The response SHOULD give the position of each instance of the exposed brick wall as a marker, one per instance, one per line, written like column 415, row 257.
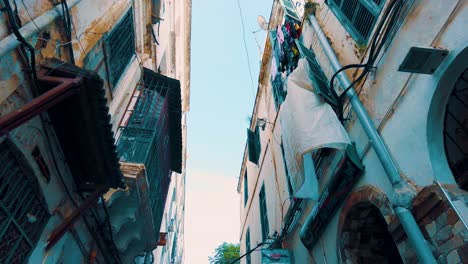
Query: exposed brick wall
column 363, row 229
column 441, row 225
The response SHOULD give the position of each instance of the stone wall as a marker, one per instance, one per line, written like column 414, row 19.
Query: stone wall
column 442, row 224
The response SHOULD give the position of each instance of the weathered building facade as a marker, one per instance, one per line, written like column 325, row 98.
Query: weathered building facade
column 356, row 151
column 93, row 131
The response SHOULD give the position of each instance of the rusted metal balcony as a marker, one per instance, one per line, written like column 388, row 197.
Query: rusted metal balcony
column 150, row 133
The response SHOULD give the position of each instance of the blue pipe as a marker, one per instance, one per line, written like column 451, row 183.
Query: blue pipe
column 407, row 220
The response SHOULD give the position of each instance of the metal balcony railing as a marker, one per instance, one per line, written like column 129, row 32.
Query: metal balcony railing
column 145, row 138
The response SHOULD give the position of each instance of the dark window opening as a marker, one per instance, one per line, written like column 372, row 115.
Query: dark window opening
column 247, row 245
column 365, row 237
column 254, row 145
column 290, row 189
column 263, row 214
column 36, row 153
column 246, row 189
column 456, row 130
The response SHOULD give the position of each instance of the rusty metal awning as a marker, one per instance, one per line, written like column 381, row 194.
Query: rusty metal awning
column 82, row 125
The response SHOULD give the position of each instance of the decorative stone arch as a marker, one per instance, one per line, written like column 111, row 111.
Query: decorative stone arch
column 444, row 166
column 363, row 228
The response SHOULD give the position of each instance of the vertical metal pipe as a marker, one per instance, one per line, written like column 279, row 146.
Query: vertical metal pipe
column 377, row 143
column 33, row 27
column 415, row 236
column 411, row 228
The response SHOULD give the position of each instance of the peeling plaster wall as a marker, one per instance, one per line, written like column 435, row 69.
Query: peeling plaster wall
column 400, row 105
column 399, row 102
column 173, row 59
column 91, row 21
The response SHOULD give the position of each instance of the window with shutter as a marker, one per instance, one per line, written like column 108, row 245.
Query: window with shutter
column 247, row 245
column 120, row 47
column 246, row 189
column 23, row 212
column 357, row 16
column 290, row 9
column 263, row 214
column 290, row 189
column 254, row 145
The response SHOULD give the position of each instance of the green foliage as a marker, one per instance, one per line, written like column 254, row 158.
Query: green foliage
column 225, row 253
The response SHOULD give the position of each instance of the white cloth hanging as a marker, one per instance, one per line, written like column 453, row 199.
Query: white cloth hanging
column 307, row 123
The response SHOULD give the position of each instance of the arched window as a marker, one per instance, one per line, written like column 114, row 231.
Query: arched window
column 365, row 237
column 456, row 130
column 23, row 213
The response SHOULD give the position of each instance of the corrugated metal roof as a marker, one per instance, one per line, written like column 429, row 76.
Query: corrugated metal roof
column 82, row 125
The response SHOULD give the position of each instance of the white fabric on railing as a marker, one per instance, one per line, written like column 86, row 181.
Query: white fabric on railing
column 307, row 123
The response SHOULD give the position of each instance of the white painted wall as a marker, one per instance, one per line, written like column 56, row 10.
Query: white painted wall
column 407, row 126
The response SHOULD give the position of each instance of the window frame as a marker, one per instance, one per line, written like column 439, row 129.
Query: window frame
column 115, row 77
column 288, row 178
column 247, row 245
column 20, row 193
column 263, row 213
column 370, row 5
column 246, row 188
column 254, row 145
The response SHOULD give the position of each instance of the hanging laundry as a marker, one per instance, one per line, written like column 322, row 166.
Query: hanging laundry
column 280, row 35
column 308, row 123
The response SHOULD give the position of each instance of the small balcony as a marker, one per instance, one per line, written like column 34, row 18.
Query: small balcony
column 150, row 148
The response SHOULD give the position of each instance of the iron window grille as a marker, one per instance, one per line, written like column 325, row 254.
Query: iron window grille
column 146, row 136
column 456, row 131
column 263, row 214
column 357, row 16
column 119, row 47
column 254, row 145
column 246, row 189
column 247, row 245
column 23, row 211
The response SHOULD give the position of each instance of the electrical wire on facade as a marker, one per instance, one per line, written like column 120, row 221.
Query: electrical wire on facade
column 246, row 49
column 14, row 20
column 247, row 253
column 379, row 38
column 68, row 29
column 15, row 29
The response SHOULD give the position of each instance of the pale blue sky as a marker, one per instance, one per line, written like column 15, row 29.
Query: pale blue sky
column 221, row 102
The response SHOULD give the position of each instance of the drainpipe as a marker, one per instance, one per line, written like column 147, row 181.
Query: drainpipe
column 10, row 42
column 404, row 215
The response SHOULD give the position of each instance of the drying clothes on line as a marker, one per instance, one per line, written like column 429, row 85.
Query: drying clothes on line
column 308, row 123
column 280, row 35
column 289, row 55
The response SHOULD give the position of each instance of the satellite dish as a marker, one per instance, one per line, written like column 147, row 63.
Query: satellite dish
column 262, row 22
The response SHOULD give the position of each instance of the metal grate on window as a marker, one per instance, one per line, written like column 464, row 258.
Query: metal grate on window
column 120, row 47
column 358, row 16
column 145, row 137
column 23, row 213
column 456, row 130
